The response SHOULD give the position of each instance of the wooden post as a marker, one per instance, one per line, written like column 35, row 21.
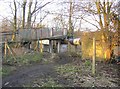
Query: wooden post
column 50, row 46
column 58, row 47
column 94, row 56
column 11, row 52
column 41, row 48
column 1, row 50
column 38, row 47
column 69, row 47
column 5, row 50
column 82, row 50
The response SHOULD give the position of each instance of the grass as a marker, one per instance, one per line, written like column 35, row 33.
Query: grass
column 70, row 71
column 51, row 83
column 75, row 54
column 87, row 63
column 44, row 83
column 25, row 59
column 6, row 70
column 67, row 68
column 21, row 60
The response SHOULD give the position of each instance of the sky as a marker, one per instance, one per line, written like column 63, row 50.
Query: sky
column 55, row 6
column 5, row 10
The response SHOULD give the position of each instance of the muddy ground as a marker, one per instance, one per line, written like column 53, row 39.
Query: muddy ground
column 54, row 73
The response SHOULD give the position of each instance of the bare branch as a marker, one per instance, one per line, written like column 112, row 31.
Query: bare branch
column 36, row 9
column 91, row 23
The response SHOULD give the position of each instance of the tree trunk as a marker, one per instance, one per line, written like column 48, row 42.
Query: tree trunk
column 70, row 32
column 15, row 21
column 29, row 15
column 24, row 9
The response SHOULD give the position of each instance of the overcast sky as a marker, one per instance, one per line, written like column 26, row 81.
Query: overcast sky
column 55, row 6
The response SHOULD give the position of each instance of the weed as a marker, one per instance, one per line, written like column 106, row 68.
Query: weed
column 87, row 63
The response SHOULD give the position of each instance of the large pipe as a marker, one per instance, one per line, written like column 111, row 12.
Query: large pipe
column 74, row 41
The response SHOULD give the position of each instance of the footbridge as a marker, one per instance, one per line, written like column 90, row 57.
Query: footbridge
column 55, row 36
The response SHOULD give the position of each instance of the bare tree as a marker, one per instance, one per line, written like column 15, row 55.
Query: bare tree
column 104, row 13
column 36, row 8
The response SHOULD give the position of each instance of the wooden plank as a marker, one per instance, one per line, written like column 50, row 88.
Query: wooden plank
column 11, row 52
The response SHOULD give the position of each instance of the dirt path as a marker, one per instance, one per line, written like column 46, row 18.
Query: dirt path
column 26, row 74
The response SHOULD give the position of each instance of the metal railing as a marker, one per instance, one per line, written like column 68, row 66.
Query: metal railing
column 43, row 33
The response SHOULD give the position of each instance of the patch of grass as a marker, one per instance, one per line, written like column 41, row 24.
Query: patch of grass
column 87, row 63
column 51, row 83
column 70, row 72
column 46, row 61
column 6, row 70
column 68, row 68
column 75, row 54
column 43, row 83
column 26, row 58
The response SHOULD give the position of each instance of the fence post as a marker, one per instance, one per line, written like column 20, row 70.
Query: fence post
column 58, row 47
column 50, row 46
column 5, row 50
column 41, row 46
column 94, row 56
column 11, row 52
